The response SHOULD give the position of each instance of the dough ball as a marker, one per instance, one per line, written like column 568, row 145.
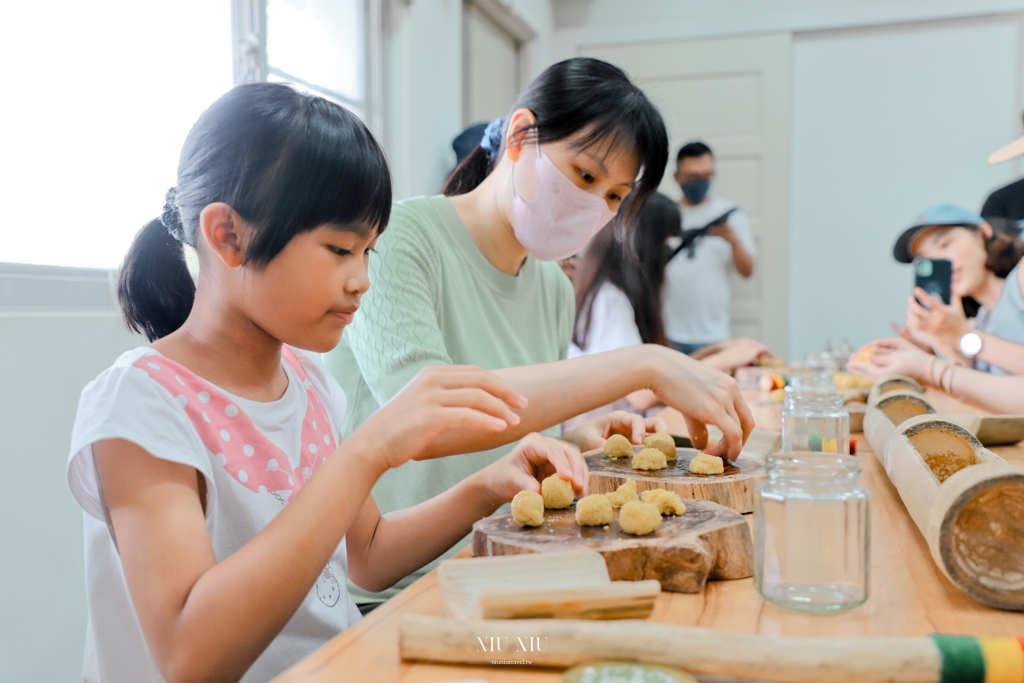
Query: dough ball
column 639, row 518
column 650, row 459
column 664, row 443
column 623, row 494
column 667, row 502
column 593, row 510
column 703, row 463
column 618, row 446
column 557, row 492
column 528, row 508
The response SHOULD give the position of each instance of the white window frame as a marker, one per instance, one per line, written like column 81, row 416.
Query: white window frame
column 249, row 38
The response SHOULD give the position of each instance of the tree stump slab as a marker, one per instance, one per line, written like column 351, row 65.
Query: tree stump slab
column 734, row 488
column 710, row 541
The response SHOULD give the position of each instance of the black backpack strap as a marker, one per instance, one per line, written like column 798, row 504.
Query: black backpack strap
column 690, row 237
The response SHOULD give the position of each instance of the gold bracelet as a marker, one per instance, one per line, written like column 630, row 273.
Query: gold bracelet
column 942, row 374
column 951, row 369
column 931, row 370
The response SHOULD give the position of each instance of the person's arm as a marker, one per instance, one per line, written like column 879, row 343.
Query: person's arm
column 198, row 615
column 946, row 324
column 734, row 353
column 398, row 334
column 742, row 258
column 999, row 394
column 382, row 550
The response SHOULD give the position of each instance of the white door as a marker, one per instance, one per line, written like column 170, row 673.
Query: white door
column 491, row 65
column 733, row 93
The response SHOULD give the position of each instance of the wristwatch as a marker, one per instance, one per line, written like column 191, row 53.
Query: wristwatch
column 970, row 344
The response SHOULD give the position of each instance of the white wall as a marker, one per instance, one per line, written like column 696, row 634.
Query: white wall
column 887, row 121
column 57, row 332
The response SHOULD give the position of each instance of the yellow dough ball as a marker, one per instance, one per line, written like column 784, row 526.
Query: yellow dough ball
column 618, row 446
column 593, row 510
column 528, row 508
column 650, row 459
column 667, row 502
column 707, row 464
column 639, row 518
column 623, row 494
column 557, row 492
column 664, row 443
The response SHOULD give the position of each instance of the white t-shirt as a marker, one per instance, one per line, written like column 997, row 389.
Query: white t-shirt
column 253, row 455
column 612, row 323
column 695, row 302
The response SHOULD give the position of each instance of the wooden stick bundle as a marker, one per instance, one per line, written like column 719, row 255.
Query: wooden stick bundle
column 565, row 643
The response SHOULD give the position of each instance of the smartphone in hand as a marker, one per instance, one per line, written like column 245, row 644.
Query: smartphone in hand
column 934, row 276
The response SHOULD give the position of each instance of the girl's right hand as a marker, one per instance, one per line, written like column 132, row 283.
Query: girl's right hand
column 890, row 357
column 704, row 396
column 439, row 400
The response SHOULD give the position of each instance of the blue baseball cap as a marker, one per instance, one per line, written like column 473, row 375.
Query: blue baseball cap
column 940, row 214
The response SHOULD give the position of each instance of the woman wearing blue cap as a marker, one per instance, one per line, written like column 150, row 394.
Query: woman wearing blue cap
column 985, row 268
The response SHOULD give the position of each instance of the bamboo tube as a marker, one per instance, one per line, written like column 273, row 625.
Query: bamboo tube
column 565, row 643
column 888, row 412
column 897, row 383
column 967, row 502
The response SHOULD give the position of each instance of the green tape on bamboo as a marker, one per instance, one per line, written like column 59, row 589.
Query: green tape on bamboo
column 962, row 659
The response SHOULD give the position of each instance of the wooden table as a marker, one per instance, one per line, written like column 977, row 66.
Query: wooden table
column 909, row 596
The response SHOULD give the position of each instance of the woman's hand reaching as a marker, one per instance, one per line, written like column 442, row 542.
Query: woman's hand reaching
column 704, row 396
column 887, row 357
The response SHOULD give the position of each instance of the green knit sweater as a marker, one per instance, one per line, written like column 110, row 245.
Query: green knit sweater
column 434, row 299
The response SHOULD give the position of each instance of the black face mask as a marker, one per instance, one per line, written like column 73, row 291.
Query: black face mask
column 695, row 190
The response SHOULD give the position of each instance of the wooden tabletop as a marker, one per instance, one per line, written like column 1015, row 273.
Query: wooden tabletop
column 909, row 596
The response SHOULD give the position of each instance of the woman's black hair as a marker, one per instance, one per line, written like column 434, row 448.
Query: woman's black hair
column 640, row 276
column 586, row 95
column 285, row 161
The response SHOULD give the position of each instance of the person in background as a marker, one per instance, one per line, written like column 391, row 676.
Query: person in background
column 697, row 279
column 618, row 300
column 985, row 268
column 1004, row 208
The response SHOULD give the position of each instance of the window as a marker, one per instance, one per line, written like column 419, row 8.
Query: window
column 97, row 102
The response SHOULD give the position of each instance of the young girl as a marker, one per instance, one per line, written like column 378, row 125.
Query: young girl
column 216, row 492
column 471, row 276
column 618, row 300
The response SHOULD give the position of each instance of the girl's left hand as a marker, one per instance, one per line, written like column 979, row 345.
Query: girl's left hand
column 939, row 323
column 634, row 427
column 534, row 459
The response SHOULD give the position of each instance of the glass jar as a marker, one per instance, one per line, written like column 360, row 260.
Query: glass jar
column 815, row 419
column 811, row 533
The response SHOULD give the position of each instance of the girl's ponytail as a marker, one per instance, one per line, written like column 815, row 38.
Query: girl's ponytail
column 154, row 287
column 470, row 173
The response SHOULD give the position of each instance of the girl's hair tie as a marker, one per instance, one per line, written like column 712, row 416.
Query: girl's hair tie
column 171, row 217
column 491, row 141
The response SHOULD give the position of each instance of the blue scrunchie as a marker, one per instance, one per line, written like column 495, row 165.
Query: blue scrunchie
column 491, row 141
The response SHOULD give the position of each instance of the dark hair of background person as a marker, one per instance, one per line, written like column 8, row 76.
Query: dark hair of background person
column 286, row 161
column 592, row 97
column 641, row 277
column 1004, row 251
column 693, row 149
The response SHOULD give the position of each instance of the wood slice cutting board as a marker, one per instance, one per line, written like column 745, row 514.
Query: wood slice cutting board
column 709, row 542
column 734, row 488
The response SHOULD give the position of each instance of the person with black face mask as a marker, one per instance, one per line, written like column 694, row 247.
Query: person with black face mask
column 716, row 239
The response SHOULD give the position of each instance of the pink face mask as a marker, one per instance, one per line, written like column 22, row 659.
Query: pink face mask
column 560, row 218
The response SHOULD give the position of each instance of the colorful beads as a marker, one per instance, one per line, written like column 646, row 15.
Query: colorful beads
column 980, row 660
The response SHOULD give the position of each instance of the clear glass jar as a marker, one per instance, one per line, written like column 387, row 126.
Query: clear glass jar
column 815, row 419
column 811, row 533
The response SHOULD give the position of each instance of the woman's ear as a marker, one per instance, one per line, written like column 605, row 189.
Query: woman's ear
column 986, row 231
column 519, row 126
column 224, row 233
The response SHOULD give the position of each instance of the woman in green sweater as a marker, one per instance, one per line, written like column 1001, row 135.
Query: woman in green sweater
column 471, row 277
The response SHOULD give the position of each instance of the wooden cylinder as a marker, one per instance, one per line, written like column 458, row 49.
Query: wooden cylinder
column 897, row 383
column 888, row 412
column 967, row 502
column 565, row 643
